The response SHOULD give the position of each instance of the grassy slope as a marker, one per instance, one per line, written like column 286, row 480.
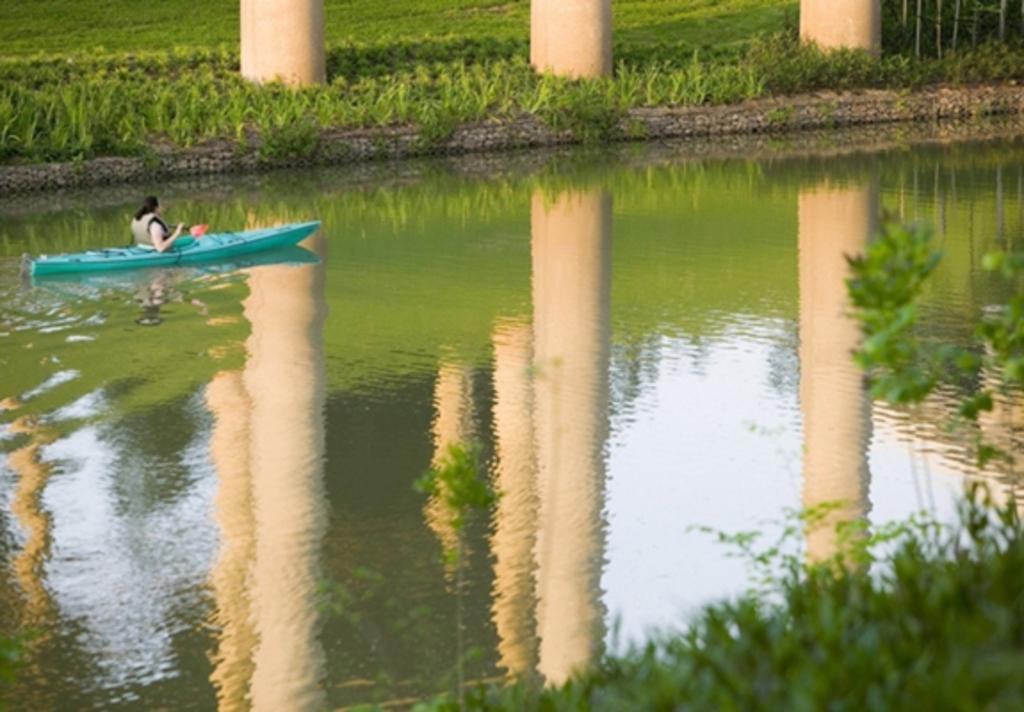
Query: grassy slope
column 56, row 26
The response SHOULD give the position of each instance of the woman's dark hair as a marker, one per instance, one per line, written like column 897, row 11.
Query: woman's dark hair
column 149, row 204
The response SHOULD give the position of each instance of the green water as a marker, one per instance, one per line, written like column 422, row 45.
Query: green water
column 206, row 476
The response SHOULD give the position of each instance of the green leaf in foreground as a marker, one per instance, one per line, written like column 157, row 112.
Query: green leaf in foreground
column 885, row 283
column 937, row 622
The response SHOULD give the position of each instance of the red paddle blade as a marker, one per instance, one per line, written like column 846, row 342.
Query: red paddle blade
column 198, row 230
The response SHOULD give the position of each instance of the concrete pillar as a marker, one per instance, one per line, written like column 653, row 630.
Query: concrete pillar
column 283, row 39
column 515, row 515
column 831, row 24
column 284, row 378
column 833, row 222
column 453, row 425
column 230, row 405
column 571, row 250
column 571, row 38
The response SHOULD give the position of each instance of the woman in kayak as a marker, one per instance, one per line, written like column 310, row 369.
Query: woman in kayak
column 150, row 230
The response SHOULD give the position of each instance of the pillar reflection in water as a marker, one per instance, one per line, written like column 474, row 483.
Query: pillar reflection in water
column 1002, row 428
column 571, row 252
column 268, row 447
column 32, row 474
column 285, row 380
column 515, row 516
column 833, row 222
column 229, row 403
column 453, row 426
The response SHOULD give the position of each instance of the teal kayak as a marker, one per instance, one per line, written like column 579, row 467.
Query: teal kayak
column 217, row 246
column 139, row 278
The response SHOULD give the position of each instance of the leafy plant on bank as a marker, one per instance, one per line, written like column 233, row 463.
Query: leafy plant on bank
column 80, row 107
column 936, row 623
column 284, row 139
column 589, row 111
column 904, row 369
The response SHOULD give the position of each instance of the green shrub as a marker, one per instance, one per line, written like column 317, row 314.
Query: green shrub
column 937, row 622
column 63, row 108
column 11, row 658
column 589, row 110
column 289, row 139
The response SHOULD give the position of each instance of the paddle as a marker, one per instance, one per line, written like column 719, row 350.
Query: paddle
column 196, row 231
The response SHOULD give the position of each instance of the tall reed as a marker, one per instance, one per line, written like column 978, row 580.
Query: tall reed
column 985, row 21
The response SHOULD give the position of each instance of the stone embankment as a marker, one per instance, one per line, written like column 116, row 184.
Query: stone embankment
column 761, row 117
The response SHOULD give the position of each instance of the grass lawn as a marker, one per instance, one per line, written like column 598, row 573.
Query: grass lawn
column 59, row 26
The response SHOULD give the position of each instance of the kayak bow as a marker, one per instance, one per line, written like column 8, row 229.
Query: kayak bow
column 218, row 246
